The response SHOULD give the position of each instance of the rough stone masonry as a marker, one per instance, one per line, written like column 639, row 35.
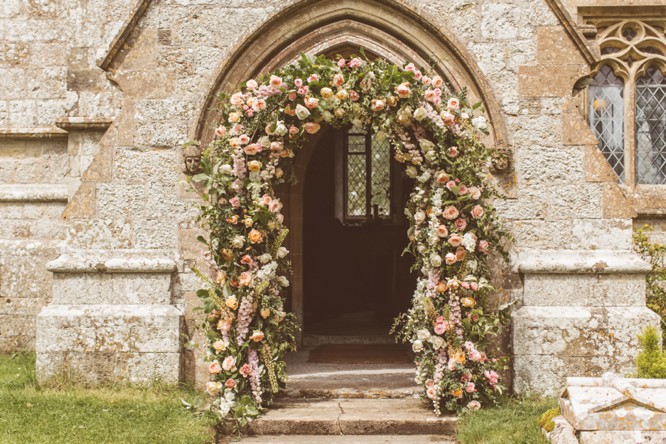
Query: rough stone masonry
column 97, row 232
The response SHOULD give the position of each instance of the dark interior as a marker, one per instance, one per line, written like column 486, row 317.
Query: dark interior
column 355, row 278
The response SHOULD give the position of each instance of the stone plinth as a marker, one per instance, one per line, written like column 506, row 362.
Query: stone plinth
column 110, row 319
column 582, row 313
column 612, row 409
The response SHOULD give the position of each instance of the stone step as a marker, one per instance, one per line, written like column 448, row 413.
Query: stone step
column 318, row 339
column 344, row 439
column 351, row 417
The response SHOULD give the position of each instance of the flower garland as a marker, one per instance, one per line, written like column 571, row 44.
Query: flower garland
column 452, row 225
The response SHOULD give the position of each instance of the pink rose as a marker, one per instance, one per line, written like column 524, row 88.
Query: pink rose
column 311, row 102
column 452, row 151
column 430, row 95
column 275, row 206
column 460, row 224
column 377, row 105
column 492, row 377
column 439, row 329
column 353, row 96
column 442, row 178
column 246, row 260
column 475, row 192
column 342, row 63
column 245, row 370
column 448, row 118
column 474, row 286
column 231, row 383
column 235, row 202
column 251, row 84
column 470, row 388
column 275, row 81
column 403, row 91
column 483, row 246
column 257, row 336
column 474, row 405
column 338, row 80
column 313, row 78
column 354, row 63
column 298, row 83
column 474, row 355
column 460, row 253
column 431, row 392
column 245, row 279
column 442, row 231
column 214, row 367
column 477, row 211
column 220, row 131
column 453, row 104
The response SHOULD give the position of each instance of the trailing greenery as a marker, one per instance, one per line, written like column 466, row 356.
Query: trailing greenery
column 513, row 421
column 68, row 414
column 651, row 361
column 546, row 420
column 655, row 254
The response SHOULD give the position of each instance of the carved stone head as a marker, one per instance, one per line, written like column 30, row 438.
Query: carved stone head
column 192, row 159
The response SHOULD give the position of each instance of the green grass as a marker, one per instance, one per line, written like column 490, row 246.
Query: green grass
column 69, row 414
column 515, row 421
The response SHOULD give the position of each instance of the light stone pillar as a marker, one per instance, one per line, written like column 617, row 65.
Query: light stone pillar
column 581, row 315
column 111, row 319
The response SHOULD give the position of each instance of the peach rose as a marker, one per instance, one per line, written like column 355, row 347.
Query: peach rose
column 311, row 127
column 342, row 94
column 453, row 104
column 451, row 212
column 245, row 279
column 232, row 302
column 468, row 302
column 460, row 254
column 265, row 312
column 483, row 246
column 257, row 336
column 403, row 91
column 231, row 383
column 442, row 231
column 326, row 93
column 458, row 393
column 245, row 370
column 229, row 363
column 338, row 80
column 254, row 166
column 220, row 131
column 474, row 192
column 252, row 149
column 450, row 259
column 460, row 224
column 311, row 102
column 441, row 287
column 214, row 367
column 377, row 105
column 275, row 81
column 251, row 84
column 455, row 240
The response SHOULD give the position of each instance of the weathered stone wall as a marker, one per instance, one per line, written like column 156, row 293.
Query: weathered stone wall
column 125, row 193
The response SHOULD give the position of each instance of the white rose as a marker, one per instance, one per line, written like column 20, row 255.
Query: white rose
column 419, row 217
column 282, row 252
column 280, row 129
column 237, row 242
column 430, row 156
column 327, row 116
column 227, row 169
column 417, row 346
column 423, row 334
column 411, row 172
column 479, row 122
column 302, row 112
column 426, row 145
column 283, row 281
column 264, row 258
column 435, row 260
column 265, row 141
column 420, row 113
column 437, row 342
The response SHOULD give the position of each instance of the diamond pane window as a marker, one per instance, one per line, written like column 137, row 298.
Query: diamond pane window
column 367, row 178
column 606, row 104
column 651, row 128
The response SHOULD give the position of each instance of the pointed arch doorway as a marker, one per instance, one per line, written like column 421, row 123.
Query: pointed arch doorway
column 355, row 277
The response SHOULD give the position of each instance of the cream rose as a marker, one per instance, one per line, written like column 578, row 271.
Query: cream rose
column 302, row 112
column 229, row 363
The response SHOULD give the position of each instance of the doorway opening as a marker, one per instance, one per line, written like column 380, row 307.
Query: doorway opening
column 355, row 278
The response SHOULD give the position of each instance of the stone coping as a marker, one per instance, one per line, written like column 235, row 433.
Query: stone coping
column 111, row 262
column 33, row 133
column 614, row 403
column 33, row 193
column 579, row 262
column 84, row 123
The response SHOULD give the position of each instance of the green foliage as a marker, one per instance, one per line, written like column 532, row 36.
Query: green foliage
column 655, row 254
column 70, row 414
column 546, row 420
column 513, row 421
column 651, row 361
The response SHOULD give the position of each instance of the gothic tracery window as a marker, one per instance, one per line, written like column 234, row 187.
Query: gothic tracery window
column 627, row 100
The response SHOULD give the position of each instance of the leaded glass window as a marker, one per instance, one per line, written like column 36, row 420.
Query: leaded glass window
column 627, row 100
column 367, row 177
column 651, row 128
column 606, row 104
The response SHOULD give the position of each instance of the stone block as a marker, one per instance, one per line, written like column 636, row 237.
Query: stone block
column 585, row 290
column 111, row 288
column 614, row 436
column 540, row 81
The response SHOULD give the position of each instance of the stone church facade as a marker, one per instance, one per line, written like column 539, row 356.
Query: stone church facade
column 98, row 226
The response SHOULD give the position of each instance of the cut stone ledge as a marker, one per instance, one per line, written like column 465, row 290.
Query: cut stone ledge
column 111, row 262
column 579, row 261
column 33, row 193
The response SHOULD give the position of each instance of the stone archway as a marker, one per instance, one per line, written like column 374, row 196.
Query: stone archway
column 388, row 30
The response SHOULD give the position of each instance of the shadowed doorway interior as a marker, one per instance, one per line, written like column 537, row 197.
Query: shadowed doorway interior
column 356, row 279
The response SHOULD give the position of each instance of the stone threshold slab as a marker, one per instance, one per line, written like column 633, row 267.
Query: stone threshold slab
column 352, row 417
column 340, row 439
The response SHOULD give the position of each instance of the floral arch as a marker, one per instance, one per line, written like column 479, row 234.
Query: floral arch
column 453, row 227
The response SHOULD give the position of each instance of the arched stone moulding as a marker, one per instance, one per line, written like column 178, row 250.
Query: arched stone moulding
column 387, row 28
